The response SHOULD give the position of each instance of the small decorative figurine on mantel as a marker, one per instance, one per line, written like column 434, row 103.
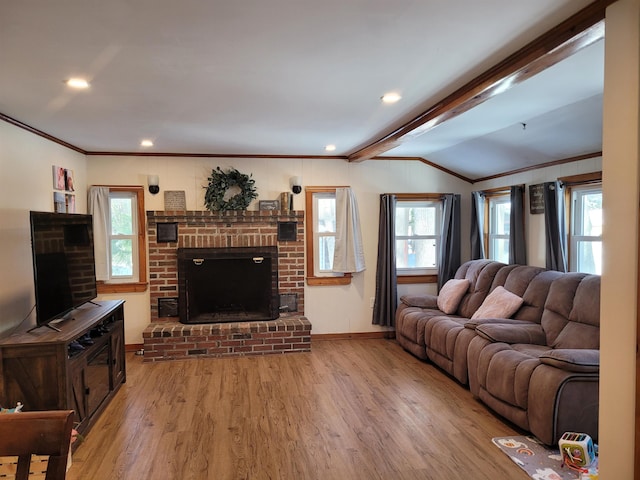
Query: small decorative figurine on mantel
column 16, row 409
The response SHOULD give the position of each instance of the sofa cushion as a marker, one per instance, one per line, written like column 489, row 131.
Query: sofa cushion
column 571, row 317
column 573, row 360
column 481, row 274
column 508, row 372
column 451, row 293
column 422, row 301
column 500, row 303
column 534, row 295
column 509, row 333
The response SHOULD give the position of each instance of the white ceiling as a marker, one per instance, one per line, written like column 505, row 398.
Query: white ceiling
column 554, row 115
column 287, row 77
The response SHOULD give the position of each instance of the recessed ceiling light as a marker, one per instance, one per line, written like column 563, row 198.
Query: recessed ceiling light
column 330, row 148
column 79, row 83
column 146, row 143
column 391, row 97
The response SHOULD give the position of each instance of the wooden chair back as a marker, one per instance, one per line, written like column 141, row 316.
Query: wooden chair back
column 37, row 433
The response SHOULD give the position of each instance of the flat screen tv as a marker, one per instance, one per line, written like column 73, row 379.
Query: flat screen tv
column 63, row 264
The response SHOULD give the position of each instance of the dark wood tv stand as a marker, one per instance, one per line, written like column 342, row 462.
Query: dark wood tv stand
column 40, row 370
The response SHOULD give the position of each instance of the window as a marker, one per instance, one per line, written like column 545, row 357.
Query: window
column 126, row 241
column 123, row 232
column 418, row 219
column 324, row 240
column 417, row 236
column 499, row 210
column 585, row 249
column 321, row 237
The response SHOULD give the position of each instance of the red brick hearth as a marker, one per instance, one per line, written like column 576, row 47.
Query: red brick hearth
column 166, row 338
column 174, row 340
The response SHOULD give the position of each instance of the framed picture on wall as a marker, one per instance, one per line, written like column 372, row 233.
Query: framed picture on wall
column 59, row 202
column 269, row 204
column 70, row 201
column 536, row 201
column 68, row 180
column 59, row 182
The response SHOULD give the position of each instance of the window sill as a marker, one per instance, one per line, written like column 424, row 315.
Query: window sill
column 122, row 287
column 318, row 281
column 408, row 279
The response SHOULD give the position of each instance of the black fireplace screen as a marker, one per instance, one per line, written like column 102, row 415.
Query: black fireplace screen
column 228, row 284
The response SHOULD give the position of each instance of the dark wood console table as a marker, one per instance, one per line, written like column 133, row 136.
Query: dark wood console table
column 42, row 370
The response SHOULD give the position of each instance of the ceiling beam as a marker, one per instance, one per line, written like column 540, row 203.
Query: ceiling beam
column 578, row 31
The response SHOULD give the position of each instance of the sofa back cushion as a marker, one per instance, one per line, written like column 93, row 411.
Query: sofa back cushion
column 571, row 317
column 535, row 292
column 480, row 274
column 531, row 284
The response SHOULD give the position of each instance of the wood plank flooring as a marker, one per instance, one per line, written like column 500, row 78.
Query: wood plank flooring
column 350, row 409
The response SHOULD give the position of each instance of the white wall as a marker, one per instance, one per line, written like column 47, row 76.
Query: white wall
column 534, row 224
column 331, row 309
column 26, row 183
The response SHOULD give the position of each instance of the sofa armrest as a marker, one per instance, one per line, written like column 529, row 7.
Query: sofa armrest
column 531, row 333
column 476, row 322
column 573, row 359
column 423, row 301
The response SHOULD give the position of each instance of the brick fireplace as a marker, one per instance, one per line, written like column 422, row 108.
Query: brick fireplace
column 167, row 231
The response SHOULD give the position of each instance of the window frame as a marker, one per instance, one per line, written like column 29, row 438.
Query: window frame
column 412, row 278
column 142, row 283
column 312, row 278
column 587, row 181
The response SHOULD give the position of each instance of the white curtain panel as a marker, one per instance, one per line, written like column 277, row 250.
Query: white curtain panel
column 98, row 205
column 348, row 254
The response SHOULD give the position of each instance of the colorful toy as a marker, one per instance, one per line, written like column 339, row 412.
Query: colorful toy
column 577, row 449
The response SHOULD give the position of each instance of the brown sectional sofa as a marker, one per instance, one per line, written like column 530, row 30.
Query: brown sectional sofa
column 538, row 368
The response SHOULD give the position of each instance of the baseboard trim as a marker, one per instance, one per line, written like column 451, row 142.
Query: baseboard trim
column 353, row 336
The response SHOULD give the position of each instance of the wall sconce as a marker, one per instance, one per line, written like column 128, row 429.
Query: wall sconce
column 153, row 181
column 296, row 184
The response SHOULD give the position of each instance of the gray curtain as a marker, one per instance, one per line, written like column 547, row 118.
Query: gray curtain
column 477, row 226
column 449, row 260
column 517, row 246
column 385, row 304
column 555, row 228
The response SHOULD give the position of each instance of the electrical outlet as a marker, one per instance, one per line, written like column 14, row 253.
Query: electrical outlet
column 372, row 300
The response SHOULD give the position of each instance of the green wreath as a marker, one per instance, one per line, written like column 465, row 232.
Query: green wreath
column 220, row 182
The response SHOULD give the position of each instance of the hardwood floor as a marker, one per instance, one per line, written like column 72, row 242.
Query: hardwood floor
column 350, row 409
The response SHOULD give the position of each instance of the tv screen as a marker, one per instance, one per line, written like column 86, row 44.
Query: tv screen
column 63, row 263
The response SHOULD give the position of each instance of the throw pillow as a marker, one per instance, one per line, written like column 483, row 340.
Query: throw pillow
column 500, row 303
column 450, row 295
